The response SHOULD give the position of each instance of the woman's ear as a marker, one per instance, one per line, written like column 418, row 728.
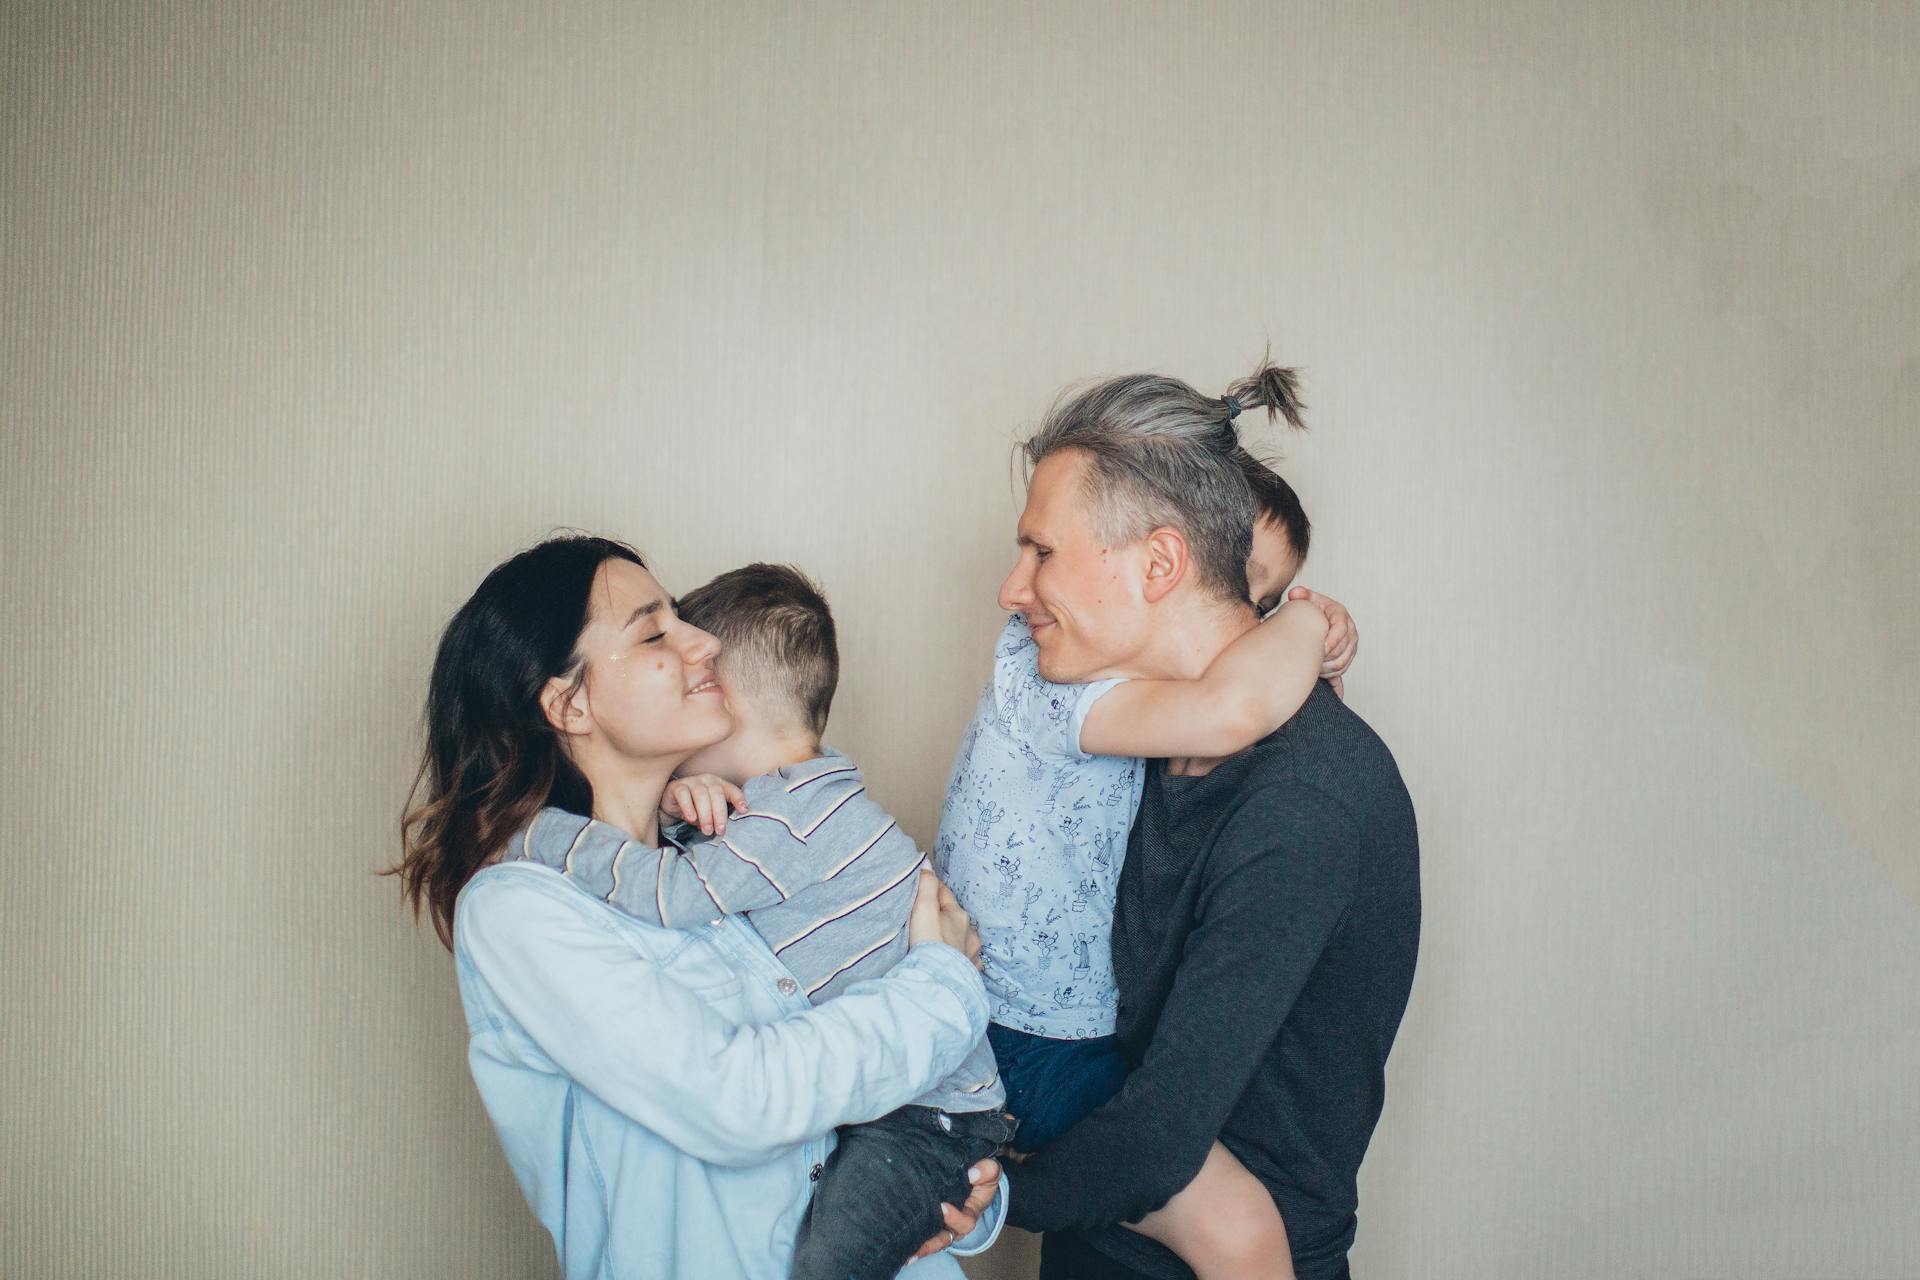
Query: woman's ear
column 564, row 703
column 1167, row 563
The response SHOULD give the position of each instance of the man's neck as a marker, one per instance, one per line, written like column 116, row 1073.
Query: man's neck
column 1188, row 635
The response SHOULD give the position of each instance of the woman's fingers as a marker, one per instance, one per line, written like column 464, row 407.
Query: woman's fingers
column 942, row 1239
column 923, row 925
column 937, row 915
column 955, row 921
column 958, row 1222
column 985, row 1178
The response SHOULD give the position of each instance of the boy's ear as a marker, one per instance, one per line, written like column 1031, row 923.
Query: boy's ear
column 1167, row 563
column 563, row 701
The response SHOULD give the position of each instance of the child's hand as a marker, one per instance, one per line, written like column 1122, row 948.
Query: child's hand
column 1343, row 638
column 985, row 1178
column 703, row 799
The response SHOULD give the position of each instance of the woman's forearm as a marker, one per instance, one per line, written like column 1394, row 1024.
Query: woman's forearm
column 604, row 1015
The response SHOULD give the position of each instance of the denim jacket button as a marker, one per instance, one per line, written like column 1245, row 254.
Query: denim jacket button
column 788, row 986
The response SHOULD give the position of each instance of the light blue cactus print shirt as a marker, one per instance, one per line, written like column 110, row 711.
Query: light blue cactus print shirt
column 1032, row 834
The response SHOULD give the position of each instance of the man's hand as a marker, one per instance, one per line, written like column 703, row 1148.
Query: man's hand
column 939, row 917
column 704, row 800
column 985, row 1178
column 1343, row 638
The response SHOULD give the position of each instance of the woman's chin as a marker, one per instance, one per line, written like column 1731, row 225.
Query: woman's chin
column 706, row 728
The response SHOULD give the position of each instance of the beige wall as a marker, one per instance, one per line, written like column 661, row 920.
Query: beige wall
column 1609, row 318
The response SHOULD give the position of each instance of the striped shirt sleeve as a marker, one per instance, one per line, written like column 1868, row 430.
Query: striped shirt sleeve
column 681, row 888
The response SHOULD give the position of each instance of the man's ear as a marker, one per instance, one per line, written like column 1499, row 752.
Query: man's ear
column 563, row 701
column 1167, row 563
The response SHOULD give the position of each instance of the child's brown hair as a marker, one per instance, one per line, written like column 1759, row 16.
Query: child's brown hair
column 776, row 635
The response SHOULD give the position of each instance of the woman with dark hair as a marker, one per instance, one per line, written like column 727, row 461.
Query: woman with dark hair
column 664, row 1097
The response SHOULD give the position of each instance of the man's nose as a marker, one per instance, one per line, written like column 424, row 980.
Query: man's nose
column 1016, row 593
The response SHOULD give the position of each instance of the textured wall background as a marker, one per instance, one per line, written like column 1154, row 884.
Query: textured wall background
column 1609, row 316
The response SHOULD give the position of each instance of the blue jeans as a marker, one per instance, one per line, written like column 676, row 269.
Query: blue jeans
column 1051, row 1083
column 879, row 1197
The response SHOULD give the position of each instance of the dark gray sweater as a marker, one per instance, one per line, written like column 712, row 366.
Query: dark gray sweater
column 1263, row 940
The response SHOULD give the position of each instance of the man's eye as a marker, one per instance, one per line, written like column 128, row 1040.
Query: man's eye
column 655, row 638
column 1041, row 553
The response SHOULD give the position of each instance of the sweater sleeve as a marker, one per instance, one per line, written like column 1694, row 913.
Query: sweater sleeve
column 595, row 1009
column 1281, row 877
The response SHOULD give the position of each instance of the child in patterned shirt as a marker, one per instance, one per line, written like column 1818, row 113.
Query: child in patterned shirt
column 827, row 878
column 1034, row 828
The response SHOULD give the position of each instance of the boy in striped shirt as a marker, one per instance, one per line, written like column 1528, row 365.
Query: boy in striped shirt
column 827, row 878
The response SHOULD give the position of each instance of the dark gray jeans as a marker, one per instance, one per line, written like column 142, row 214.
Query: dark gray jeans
column 879, row 1197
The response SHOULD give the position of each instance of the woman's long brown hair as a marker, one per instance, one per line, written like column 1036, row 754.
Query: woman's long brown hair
column 491, row 760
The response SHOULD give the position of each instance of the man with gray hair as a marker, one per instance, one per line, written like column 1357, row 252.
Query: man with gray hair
column 1268, row 907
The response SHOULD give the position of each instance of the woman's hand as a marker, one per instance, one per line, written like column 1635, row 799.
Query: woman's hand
column 1343, row 638
column 985, row 1178
column 939, row 917
column 704, row 800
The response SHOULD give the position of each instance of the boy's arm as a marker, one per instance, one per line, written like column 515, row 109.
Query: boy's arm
column 1343, row 638
column 750, row 867
column 1251, row 689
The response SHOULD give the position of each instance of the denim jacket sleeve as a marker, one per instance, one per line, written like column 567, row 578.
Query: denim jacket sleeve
column 602, row 1014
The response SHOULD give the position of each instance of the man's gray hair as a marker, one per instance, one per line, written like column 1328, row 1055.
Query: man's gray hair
column 1161, row 454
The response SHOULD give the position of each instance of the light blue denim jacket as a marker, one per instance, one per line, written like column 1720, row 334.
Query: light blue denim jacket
column 665, row 1097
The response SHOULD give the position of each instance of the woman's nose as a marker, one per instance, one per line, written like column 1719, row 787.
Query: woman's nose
column 697, row 646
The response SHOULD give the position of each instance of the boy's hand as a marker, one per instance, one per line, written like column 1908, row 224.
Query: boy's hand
column 703, row 799
column 1343, row 638
column 985, row 1178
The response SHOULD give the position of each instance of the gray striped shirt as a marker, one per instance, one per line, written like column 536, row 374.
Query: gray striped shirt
column 820, row 871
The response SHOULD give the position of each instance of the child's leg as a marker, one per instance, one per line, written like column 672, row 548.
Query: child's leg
column 1052, row 1083
column 1223, row 1224
column 879, row 1197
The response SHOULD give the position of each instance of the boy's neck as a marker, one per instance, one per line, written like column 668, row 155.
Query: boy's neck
column 756, row 748
column 795, row 749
